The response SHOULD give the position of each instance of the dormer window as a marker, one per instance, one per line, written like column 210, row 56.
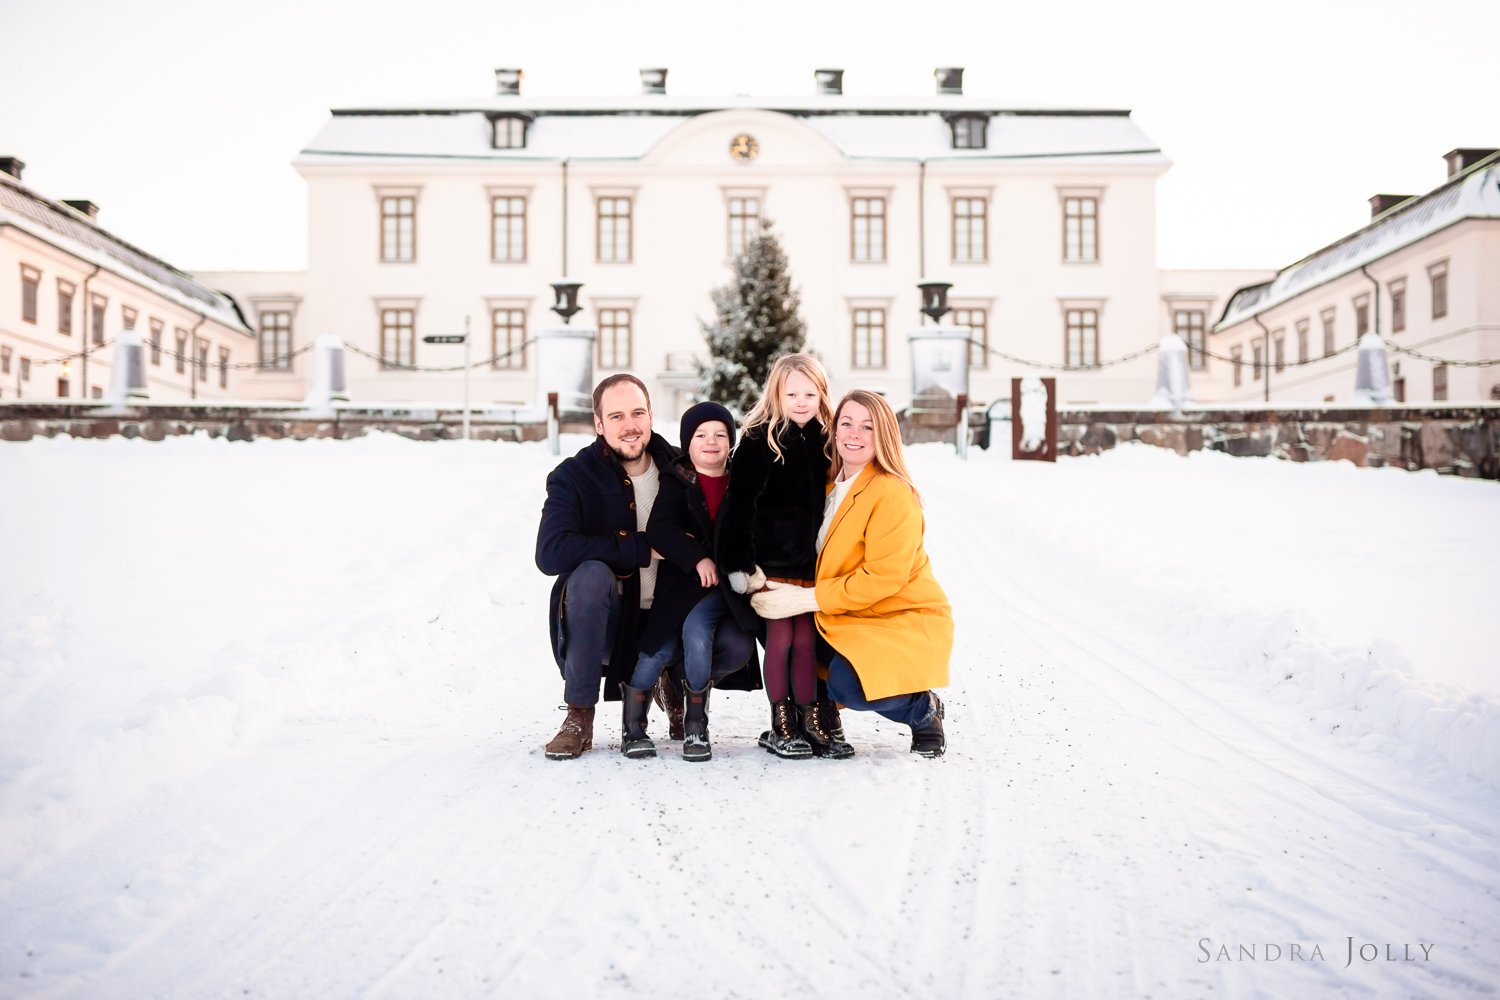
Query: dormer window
column 968, row 131
column 509, row 131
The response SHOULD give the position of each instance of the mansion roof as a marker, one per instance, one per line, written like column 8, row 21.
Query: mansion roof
column 1471, row 194
column 627, row 128
column 74, row 233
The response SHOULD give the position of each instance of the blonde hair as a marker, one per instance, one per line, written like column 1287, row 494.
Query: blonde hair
column 770, row 411
column 889, row 458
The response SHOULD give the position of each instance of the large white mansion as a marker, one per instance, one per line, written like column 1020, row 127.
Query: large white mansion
column 429, row 217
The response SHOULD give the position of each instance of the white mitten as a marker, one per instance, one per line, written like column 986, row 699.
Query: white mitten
column 784, row 601
column 739, row 582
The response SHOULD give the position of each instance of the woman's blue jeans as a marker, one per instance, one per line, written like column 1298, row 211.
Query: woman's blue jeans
column 844, row 687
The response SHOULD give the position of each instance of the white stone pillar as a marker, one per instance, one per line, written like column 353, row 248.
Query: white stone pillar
column 327, row 386
column 1172, row 373
column 565, row 365
column 127, row 380
column 1372, row 377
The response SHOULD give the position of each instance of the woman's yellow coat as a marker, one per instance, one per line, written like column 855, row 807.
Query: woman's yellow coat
column 878, row 603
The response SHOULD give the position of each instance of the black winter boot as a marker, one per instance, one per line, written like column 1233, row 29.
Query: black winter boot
column 824, row 743
column 695, row 745
column 785, row 739
column 635, row 742
column 669, row 699
column 927, row 736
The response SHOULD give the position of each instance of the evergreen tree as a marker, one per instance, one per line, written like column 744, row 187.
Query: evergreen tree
column 757, row 323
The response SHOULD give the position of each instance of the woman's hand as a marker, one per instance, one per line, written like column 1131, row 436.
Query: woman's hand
column 784, row 600
column 708, row 574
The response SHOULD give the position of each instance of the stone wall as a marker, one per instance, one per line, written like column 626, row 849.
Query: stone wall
column 24, row 421
column 1458, row 440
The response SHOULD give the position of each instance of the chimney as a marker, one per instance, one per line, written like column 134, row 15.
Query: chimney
column 1382, row 203
column 508, row 82
column 830, row 81
column 1460, row 160
column 950, row 79
column 653, row 81
column 12, row 166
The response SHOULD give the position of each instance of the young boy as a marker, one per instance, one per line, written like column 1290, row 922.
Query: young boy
column 691, row 602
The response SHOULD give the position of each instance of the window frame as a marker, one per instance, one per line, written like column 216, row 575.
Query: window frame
column 968, row 130
column 1361, row 315
column 1086, row 224
column 869, row 328
column 607, row 316
column 66, row 292
column 1088, row 318
column 1237, row 364
column 275, row 356
column 979, row 355
column 31, row 293
column 98, row 307
column 970, row 220
column 876, row 222
column 181, row 354
column 619, row 221
column 742, row 223
column 397, row 205
column 158, row 327
column 518, row 224
column 1437, row 280
column 1439, row 383
column 1184, row 326
column 1329, row 318
column 1304, row 329
column 1397, row 290
column 396, row 325
column 517, row 310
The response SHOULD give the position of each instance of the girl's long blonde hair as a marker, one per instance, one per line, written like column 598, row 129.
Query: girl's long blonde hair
column 770, row 412
column 889, row 457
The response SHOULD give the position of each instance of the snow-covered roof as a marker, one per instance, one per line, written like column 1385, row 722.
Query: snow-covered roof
column 626, row 128
column 70, row 231
column 1471, row 194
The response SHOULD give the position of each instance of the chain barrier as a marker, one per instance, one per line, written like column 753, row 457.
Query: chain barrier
column 399, row 366
column 65, row 358
column 1484, row 363
column 1053, row 366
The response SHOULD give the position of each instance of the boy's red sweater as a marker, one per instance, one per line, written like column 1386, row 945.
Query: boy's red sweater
column 714, row 488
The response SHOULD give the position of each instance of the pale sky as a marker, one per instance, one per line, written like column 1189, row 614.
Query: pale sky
column 181, row 119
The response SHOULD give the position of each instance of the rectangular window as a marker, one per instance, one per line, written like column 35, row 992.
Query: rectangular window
column 867, row 230
column 1438, row 275
column 1080, row 228
column 95, row 392
column 869, row 338
column 1398, row 389
column 25, row 369
column 1191, row 326
column 223, row 368
column 63, row 388
column 65, row 307
column 508, row 228
column 744, row 223
column 398, row 337
column 4, row 360
column 202, row 360
column 31, row 280
column 182, row 351
column 614, row 337
column 398, row 229
column 1237, row 356
column 127, row 317
column 1081, row 346
column 1278, row 350
column 978, row 322
column 1302, row 327
column 1327, row 317
column 969, row 131
column 1258, row 360
column 156, row 331
column 1398, row 305
column 613, row 230
column 510, row 132
column 970, row 230
column 97, row 305
column 275, row 340
column 1439, row 383
column 1361, row 315
column 508, row 330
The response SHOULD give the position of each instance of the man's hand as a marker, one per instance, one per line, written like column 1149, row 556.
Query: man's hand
column 784, row 600
column 708, row 574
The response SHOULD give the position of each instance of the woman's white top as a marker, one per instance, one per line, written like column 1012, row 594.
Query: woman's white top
column 836, row 496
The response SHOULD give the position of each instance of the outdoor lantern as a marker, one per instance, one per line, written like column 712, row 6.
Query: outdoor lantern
column 567, row 299
column 935, row 299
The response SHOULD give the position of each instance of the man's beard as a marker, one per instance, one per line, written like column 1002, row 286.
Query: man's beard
column 625, row 456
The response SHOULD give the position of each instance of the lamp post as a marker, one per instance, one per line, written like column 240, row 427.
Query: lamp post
column 935, row 299
column 566, row 294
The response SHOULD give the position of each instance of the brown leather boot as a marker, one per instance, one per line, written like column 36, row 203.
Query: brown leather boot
column 576, row 735
column 669, row 699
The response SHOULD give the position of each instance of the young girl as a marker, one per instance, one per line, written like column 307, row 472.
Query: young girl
column 778, row 481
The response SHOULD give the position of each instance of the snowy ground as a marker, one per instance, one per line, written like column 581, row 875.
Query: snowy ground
column 271, row 719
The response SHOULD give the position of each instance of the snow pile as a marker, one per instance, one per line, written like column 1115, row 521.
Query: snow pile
column 1354, row 594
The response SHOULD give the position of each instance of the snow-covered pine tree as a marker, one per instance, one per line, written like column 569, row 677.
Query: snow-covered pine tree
column 757, row 322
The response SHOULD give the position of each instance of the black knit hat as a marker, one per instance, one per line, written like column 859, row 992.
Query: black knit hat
column 700, row 413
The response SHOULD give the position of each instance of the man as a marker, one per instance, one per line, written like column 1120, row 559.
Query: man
column 592, row 538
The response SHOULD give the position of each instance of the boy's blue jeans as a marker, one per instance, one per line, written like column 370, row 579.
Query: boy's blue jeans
column 696, row 643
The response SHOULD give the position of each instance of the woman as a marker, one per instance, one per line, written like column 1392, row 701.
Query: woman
column 875, row 599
